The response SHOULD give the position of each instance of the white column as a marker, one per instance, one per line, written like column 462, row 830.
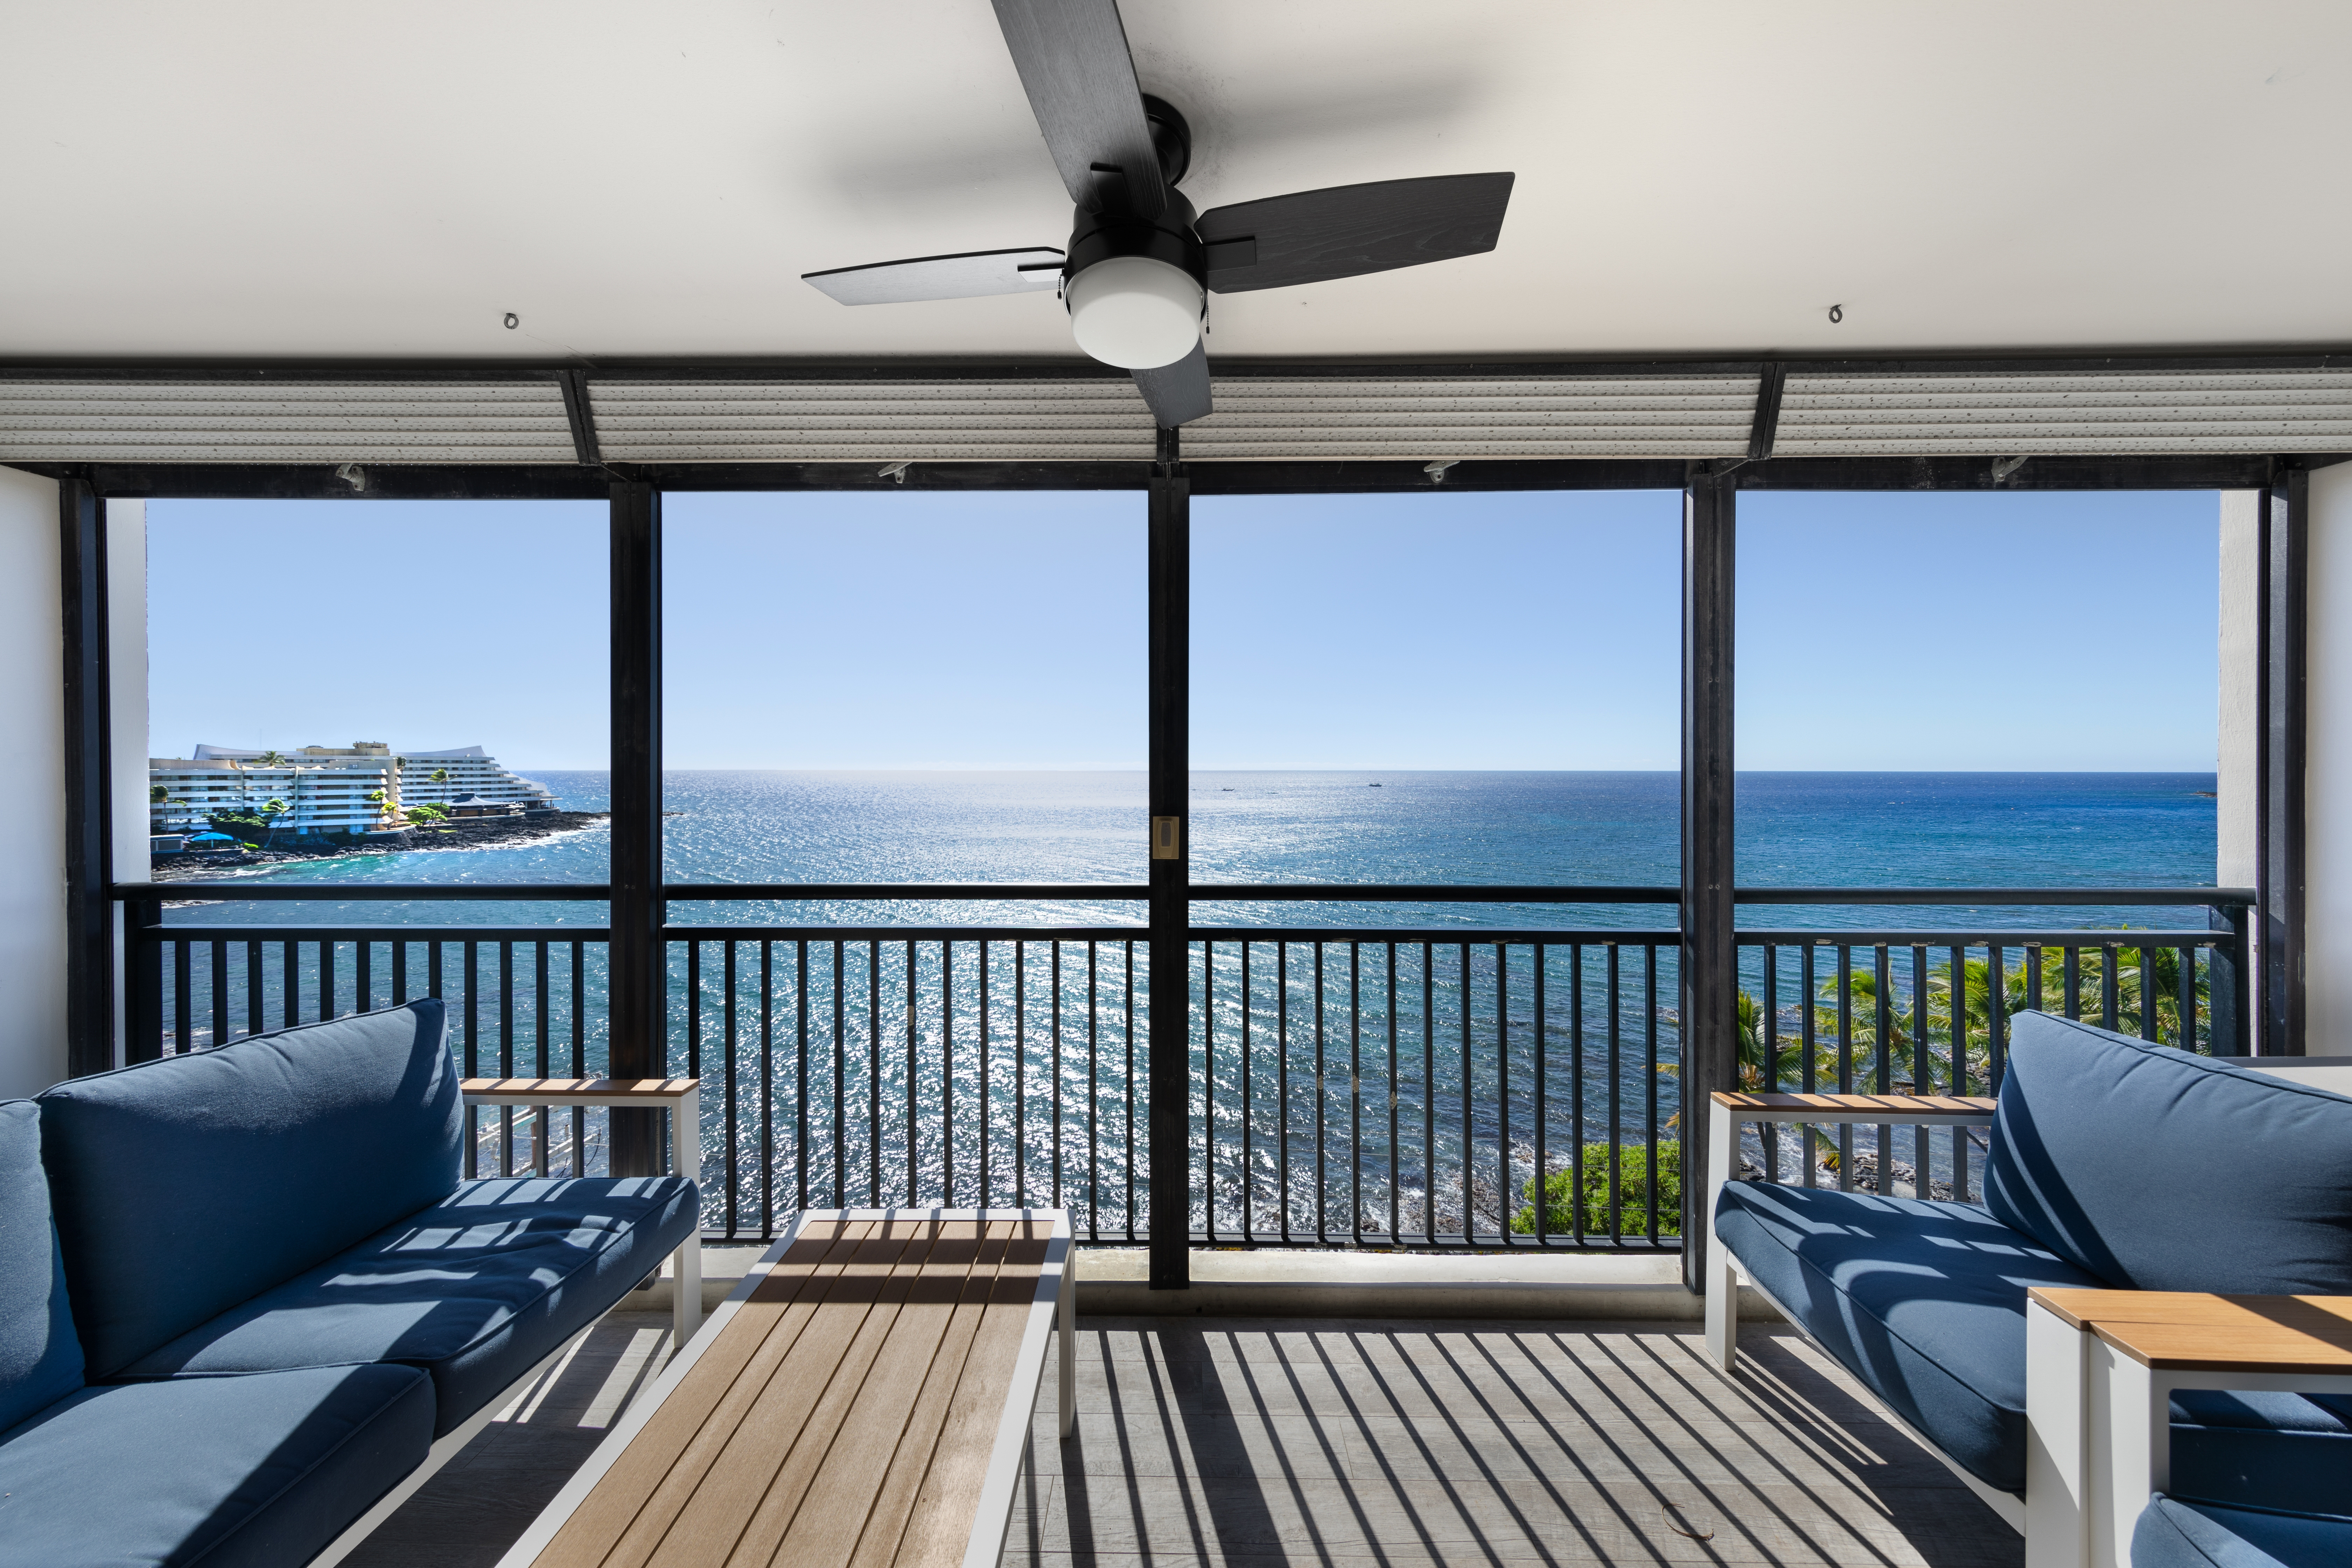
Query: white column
column 2328, row 812
column 126, row 678
column 32, row 789
column 2241, row 656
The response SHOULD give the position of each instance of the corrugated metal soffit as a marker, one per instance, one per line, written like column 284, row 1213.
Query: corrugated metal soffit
column 1969, row 413
column 1471, row 416
column 283, row 422
column 847, row 422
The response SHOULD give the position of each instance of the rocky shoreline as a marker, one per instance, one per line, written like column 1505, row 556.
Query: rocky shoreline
column 473, row 835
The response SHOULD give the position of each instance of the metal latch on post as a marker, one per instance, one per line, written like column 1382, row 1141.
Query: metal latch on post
column 1166, row 838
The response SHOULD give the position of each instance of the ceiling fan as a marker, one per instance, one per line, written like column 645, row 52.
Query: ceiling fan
column 1140, row 264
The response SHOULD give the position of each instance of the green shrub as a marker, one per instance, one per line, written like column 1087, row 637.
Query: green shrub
column 1632, row 1192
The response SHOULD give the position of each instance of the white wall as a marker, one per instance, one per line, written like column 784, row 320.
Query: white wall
column 32, row 790
column 2327, row 777
column 2239, row 656
column 126, row 617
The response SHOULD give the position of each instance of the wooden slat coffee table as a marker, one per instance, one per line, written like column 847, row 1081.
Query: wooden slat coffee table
column 865, row 1399
column 2101, row 1367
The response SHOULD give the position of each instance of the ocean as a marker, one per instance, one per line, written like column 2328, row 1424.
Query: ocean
column 2058, row 830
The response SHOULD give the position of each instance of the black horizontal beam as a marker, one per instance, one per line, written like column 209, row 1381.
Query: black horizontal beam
column 1985, row 938
column 257, row 891
column 299, row 933
column 1969, row 897
column 1134, row 933
column 1442, row 936
column 1410, row 893
column 707, row 892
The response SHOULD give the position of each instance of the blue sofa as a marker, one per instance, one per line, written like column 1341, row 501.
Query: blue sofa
column 2115, row 1163
column 244, row 1295
column 2173, row 1533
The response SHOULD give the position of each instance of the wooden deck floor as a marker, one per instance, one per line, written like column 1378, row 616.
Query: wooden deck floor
column 1363, row 1443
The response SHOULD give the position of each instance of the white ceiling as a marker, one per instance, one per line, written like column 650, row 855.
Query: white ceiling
column 288, row 178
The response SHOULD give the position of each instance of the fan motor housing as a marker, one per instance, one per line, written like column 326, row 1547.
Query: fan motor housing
column 1098, row 236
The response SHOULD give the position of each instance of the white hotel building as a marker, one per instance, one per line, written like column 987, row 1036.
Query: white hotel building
column 327, row 789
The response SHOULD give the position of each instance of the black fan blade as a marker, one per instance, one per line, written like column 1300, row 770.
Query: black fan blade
column 1177, row 394
column 965, row 277
column 1075, row 66
column 1345, row 231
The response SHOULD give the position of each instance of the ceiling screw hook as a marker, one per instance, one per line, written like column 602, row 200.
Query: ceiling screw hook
column 1436, row 471
column 896, row 472
column 513, row 320
column 354, row 476
column 1837, row 314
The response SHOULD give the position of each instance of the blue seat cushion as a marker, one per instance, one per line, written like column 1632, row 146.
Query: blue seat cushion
column 2086, row 1116
column 40, row 1359
column 1923, row 1301
column 475, row 1290
column 2176, row 1534
column 2289, row 1451
column 228, row 1472
column 186, row 1185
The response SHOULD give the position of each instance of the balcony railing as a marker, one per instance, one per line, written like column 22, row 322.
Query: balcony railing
column 1359, row 1085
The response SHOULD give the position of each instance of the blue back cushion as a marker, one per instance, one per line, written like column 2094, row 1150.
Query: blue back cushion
column 40, row 1359
column 187, row 1185
column 2157, row 1170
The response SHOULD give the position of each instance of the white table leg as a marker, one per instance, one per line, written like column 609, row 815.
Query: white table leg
column 1067, row 1320
column 686, row 1159
column 1722, row 1283
column 2129, row 1448
column 2056, row 1383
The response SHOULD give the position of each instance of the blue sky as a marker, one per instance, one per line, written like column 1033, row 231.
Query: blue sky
column 1441, row 630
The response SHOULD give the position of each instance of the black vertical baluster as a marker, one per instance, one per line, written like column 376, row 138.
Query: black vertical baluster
column 1469, row 1133
column 1542, row 1196
column 1322, row 1171
column 579, row 1054
column 2070, row 958
column 1996, row 1015
column 1923, row 1075
column 1094, row 1101
column 290, row 968
column 1503, row 1092
column 363, row 979
column 840, row 1082
column 2185, row 979
column 1616, row 1108
column 1769, row 1070
column 693, row 1009
column 726, row 1081
column 2111, row 1008
column 256, row 1014
column 1882, row 978
column 183, row 1010
column 1809, row 1045
column 1650, row 1077
column 987, row 1107
column 1249, row 1156
column 505, row 1054
column 911, row 1076
column 1395, row 1212
column 1356, row 1093
column 220, row 992
column 2150, row 993
column 326, row 980
column 768, row 1080
column 1846, row 1061
column 1021, row 1075
column 1128, row 1035
column 1576, row 1093
column 1957, row 1001
column 473, row 1062
column 947, row 1076
column 1056, row 1077
column 874, row 1074
column 1282, row 1080
column 1208, row 1092
column 399, row 973
column 540, row 1115
column 1429, row 1093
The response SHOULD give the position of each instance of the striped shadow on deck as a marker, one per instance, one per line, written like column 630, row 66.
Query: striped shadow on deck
column 863, row 1403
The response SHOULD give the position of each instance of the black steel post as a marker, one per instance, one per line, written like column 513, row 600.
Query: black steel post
column 2284, row 551
column 1169, row 548
column 89, row 918
column 1710, row 956
column 637, row 976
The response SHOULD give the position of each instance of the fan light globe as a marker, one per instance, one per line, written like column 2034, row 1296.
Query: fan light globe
column 1135, row 312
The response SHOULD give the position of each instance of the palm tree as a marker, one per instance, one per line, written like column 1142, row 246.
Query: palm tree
column 441, row 777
